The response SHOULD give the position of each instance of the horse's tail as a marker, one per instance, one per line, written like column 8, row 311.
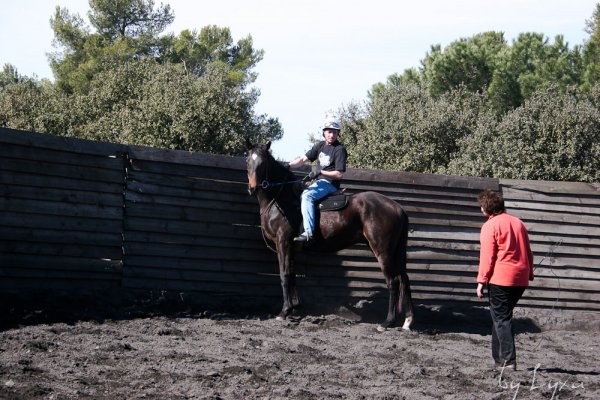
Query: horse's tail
column 405, row 305
column 401, row 257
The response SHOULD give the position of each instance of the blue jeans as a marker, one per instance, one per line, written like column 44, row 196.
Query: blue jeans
column 317, row 190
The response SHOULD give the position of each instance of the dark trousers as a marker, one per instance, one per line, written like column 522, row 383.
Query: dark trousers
column 503, row 300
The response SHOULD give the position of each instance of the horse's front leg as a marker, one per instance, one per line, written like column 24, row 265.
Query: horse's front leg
column 287, row 276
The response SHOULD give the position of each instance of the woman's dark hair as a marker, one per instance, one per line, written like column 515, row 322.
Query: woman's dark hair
column 491, row 202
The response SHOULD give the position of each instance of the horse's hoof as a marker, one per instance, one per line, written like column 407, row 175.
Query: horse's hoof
column 407, row 323
column 381, row 328
column 279, row 318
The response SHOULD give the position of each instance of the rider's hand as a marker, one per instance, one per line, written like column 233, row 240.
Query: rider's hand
column 314, row 173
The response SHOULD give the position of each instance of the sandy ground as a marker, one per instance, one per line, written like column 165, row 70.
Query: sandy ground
column 184, row 354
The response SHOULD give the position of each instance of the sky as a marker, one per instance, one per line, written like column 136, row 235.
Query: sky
column 319, row 54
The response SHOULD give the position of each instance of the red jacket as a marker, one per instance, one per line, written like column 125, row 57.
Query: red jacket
column 505, row 257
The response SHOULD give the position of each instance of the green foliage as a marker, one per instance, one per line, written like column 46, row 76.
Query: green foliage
column 405, row 128
column 591, row 51
column 8, row 76
column 19, row 105
column 124, row 83
column 483, row 107
column 127, row 30
column 529, row 65
column 466, row 62
column 34, row 106
column 85, row 54
column 214, row 45
column 553, row 136
column 510, row 74
column 129, row 18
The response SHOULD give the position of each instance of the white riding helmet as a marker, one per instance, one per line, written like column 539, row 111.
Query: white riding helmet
column 332, row 123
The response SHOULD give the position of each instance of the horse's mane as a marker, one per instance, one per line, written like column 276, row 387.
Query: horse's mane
column 278, row 166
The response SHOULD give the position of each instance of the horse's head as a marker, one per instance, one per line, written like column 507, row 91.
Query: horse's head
column 257, row 164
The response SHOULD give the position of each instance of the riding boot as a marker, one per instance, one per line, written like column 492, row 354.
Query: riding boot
column 303, row 238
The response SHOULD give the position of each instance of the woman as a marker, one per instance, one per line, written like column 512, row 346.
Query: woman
column 506, row 267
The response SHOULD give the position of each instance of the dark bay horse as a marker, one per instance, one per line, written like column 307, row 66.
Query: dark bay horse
column 370, row 218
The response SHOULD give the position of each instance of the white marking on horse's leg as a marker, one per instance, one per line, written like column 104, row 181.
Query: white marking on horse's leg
column 407, row 323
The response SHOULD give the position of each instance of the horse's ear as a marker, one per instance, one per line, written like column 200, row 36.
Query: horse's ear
column 268, row 145
column 249, row 144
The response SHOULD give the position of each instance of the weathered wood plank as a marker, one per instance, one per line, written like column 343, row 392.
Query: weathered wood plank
column 69, row 196
column 180, row 157
column 18, row 178
column 573, row 219
column 26, row 219
column 48, row 141
column 61, row 208
column 213, row 265
column 62, row 170
column 213, row 288
column 414, row 178
column 166, row 212
column 60, row 263
column 195, row 252
column 57, row 236
column 63, row 284
column 177, row 227
column 60, row 249
column 55, row 156
column 553, row 208
column 199, row 276
column 225, row 174
column 174, row 182
column 564, row 229
column 204, row 189
column 152, row 239
column 33, row 273
column 550, row 188
column 204, row 200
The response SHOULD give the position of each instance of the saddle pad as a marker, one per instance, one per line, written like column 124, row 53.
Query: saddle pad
column 332, row 203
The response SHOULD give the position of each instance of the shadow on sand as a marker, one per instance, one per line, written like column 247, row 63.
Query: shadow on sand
column 48, row 308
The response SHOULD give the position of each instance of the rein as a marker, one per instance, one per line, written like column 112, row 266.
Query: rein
column 266, row 184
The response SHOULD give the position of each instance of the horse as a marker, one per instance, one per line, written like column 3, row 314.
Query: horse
column 369, row 217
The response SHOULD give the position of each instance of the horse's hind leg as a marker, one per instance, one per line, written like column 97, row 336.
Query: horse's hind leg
column 405, row 305
column 393, row 285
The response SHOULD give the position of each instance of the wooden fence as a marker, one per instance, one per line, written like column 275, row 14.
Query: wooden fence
column 77, row 214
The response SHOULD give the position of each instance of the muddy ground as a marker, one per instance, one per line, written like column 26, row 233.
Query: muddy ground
column 202, row 354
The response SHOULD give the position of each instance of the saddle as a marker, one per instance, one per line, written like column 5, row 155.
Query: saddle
column 334, row 201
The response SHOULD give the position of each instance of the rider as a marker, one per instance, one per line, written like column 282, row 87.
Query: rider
column 332, row 157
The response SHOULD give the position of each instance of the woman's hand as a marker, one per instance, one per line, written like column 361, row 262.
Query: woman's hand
column 480, row 290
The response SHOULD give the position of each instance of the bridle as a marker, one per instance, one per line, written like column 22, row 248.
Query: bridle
column 266, row 185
